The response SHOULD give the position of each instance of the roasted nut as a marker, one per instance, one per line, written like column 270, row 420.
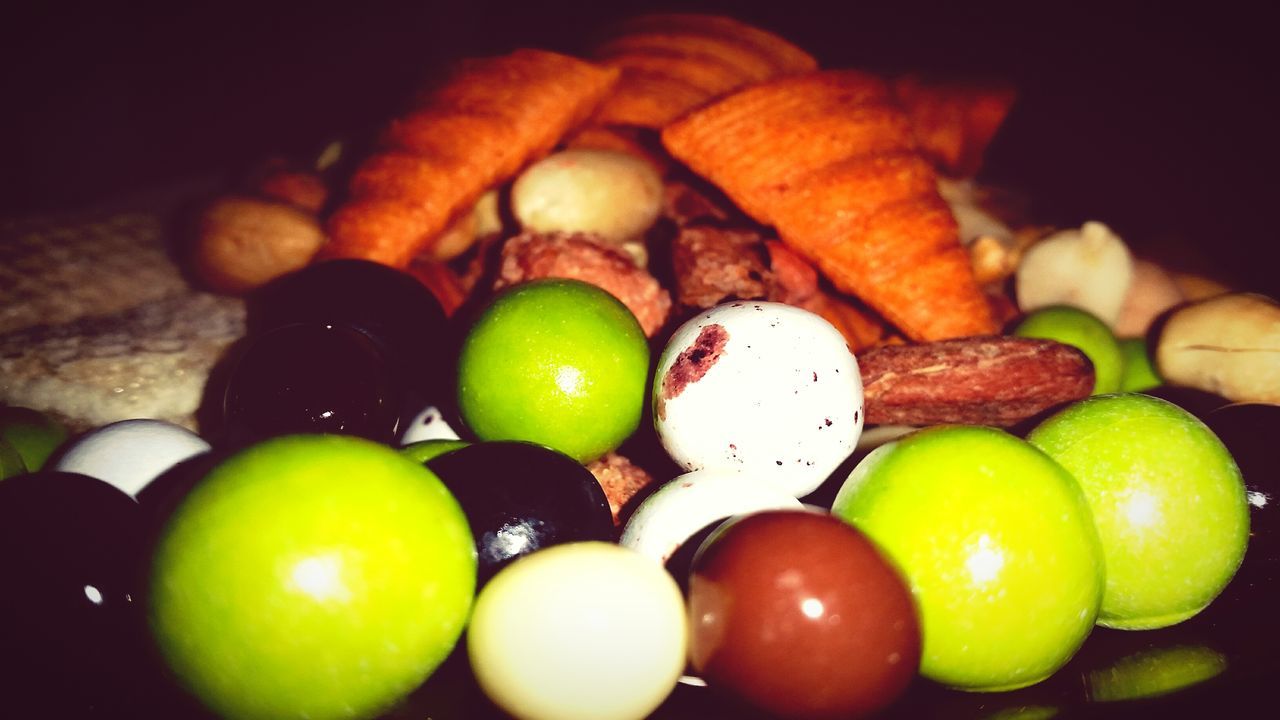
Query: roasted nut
column 585, row 257
column 998, row 380
column 1229, row 345
column 622, row 481
column 242, row 242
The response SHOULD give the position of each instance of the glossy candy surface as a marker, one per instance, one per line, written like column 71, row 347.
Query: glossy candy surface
column 130, row 454
column 10, row 461
column 762, row 388
column 558, row 362
column 312, row 378
column 997, row 544
column 680, row 508
column 802, row 616
column 1167, row 499
column 520, row 497
column 424, row 450
column 70, row 625
column 581, row 631
column 389, row 305
column 311, row 576
column 429, row 423
column 34, row 435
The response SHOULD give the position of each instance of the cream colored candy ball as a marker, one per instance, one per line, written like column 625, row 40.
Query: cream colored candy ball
column 581, row 631
column 613, row 194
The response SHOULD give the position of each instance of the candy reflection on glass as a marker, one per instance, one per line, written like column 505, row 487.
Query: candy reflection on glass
column 1154, row 672
column 799, row 614
column 581, row 631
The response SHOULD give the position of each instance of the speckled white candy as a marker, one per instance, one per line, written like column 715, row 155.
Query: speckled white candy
column 131, row 453
column 428, row 425
column 783, row 401
column 690, row 502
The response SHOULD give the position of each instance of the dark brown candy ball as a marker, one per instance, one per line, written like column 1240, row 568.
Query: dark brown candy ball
column 799, row 614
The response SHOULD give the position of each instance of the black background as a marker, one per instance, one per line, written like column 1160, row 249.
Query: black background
column 1158, row 121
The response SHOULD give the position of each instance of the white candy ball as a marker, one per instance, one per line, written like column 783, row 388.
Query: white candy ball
column 763, row 388
column 427, row 425
column 129, row 454
column 679, row 509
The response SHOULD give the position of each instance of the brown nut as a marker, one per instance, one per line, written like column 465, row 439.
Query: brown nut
column 995, row 380
column 242, row 243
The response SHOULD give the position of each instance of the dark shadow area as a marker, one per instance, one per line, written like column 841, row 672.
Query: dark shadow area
column 1156, row 121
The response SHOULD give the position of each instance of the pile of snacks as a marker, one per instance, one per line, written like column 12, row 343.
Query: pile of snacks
column 570, row 313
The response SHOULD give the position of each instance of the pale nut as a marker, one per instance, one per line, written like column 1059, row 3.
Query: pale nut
column 242, row 243
column 482, row 220
column 1229, row 345
column 992, row 259
column 1089, row 268
column 1152, row 292
column 972, row 219
column 613, row 195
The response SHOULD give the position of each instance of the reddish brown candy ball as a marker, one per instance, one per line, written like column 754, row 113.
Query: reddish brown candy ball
column 799, row 614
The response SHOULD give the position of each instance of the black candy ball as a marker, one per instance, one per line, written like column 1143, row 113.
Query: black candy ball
column 391, row 306
column 311, row 378
column 520, row 497
column 71, row 622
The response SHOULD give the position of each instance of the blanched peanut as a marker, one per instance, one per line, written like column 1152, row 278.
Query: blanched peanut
column 1089, row 268
column 1229, row 345
column 614, row 195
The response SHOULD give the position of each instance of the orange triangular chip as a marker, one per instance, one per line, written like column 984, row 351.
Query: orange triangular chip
column 673, row 63
column 830, row 161
column 473, row 130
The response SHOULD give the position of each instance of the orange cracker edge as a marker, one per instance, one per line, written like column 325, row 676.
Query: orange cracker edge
column 673, row 63
column 831, row 162
column 474, row 130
